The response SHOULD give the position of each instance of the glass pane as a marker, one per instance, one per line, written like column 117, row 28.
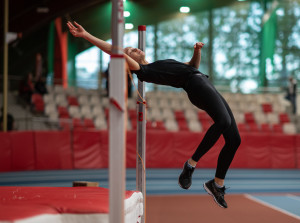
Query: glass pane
column 287, row 52
column 176, row 38
column 236, row 46
column 87, row 68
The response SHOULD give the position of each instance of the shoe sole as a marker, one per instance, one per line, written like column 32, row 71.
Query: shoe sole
column 211, row 194
column 183, row 187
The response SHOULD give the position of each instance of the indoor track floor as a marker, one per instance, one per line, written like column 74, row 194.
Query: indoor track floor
column 260, row 195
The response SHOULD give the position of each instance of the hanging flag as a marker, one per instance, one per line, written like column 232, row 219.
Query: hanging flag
column 50, row 60
column 269, row 30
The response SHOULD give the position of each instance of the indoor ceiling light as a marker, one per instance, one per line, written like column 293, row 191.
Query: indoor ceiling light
column 184, row 9
column 128, row 26
column 126, row 13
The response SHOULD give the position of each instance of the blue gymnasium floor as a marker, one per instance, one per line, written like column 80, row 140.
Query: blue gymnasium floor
column 277, row 189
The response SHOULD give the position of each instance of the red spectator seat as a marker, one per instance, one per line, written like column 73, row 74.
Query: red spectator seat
column 284, row 118
column 183, row 125
column 277, row 128
column 39, row 107
column 73, row 101
column 64, row 124
column 206, row 123
column 63, row 112
column 179, row 115
column 249, row 117
column 267, row 108
column 77, row 124
column 36, row 98
column 88, row 124
column 265, row 127
column 181, row 121
column 205, row 120
column 203, row 116
column 38, row 102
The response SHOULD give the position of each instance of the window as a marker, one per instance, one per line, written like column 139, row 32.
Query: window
column 236, row 46
column 235, row 33
column 87, row 68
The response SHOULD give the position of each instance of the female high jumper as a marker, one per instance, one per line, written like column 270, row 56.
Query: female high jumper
column 201, row 93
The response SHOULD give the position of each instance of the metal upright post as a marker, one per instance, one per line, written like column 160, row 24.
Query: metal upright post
column 141, row 128
column 117, row 117
column 5, row 66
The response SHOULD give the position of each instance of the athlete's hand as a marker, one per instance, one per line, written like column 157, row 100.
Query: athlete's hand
column 198, row 45
column 77, row 31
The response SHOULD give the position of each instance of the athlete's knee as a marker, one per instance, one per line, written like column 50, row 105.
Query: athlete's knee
column 224, row 123
column 236, row 141
column 232, row 138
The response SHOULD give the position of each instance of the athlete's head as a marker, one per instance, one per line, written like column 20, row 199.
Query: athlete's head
column 136, row 54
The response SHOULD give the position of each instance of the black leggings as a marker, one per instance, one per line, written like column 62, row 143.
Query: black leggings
column 204, row 96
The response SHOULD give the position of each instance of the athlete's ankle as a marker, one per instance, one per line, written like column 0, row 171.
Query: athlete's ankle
column 219, row 182
column 192, row 163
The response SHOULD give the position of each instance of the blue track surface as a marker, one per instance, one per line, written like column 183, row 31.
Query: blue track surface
column 288, row 204
column 164, row 181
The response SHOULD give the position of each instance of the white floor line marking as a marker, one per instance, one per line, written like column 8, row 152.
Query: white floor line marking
column 250, row 197
column 294, row 197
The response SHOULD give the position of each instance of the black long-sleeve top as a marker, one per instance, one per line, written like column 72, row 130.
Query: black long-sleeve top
column 166, row 72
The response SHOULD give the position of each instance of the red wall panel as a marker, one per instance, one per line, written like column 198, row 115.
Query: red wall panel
column 210, row 159
column 53, row 150
column 5, row 151
column 159, row 149
column 131, row 155
column 87, row 150
column 298, row 151
column 283, row 150
column 104, row 148
column 23, row 151
column 258, row 152
column 184, row 146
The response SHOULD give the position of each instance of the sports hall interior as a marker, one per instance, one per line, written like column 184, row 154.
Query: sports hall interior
column 58, row 108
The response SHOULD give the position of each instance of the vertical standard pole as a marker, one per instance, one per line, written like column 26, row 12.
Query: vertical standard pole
column 141, row 129
column 117, row 117
column 5, row 66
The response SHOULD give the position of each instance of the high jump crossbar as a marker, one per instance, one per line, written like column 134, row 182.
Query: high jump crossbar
column 141, row 128
column 117, row 117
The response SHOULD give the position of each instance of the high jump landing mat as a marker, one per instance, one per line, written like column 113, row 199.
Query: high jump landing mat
column 63, row 204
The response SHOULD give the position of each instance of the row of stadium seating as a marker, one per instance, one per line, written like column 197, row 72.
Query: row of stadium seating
column 170, row 111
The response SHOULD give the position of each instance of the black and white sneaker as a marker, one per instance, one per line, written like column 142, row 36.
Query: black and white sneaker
column 185, row 178
column 216, row 193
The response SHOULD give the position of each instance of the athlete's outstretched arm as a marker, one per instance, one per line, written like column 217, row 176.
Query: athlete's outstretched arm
column 196, row 58
column 79, row 31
